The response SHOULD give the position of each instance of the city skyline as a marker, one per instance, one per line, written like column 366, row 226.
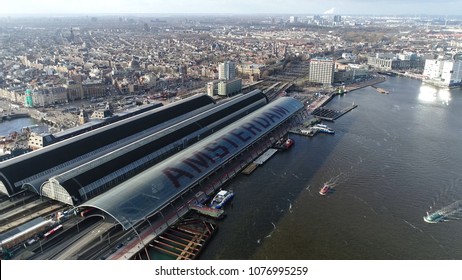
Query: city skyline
column 345, row 7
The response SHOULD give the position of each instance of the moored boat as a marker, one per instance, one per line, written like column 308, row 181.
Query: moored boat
column 221, row 198
column 324, row 128
column 284, row 143
column 288, row 143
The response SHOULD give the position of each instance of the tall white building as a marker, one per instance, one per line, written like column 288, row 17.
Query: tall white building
column 443, row 72
column 227, row 70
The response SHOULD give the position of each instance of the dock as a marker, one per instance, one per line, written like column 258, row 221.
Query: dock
column 12, row 116
column 305, row 131
column 265, row 156
column 312, row 130
column 250, row 168
column 208, row 211
column 184, row 241
column 331, row 115
column 259, row 161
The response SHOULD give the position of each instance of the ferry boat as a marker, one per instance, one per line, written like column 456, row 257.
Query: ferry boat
column 325, row 189
column 433, row 218
column 221, row 198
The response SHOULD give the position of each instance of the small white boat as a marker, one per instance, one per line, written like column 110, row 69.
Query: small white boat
column 324, row 128
column 325, row 189
column 221, row 198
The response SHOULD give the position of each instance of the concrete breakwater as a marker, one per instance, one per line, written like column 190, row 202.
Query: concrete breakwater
column 13, row 116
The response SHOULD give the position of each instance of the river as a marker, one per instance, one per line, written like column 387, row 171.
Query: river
column 392, row 159
column 6, row 127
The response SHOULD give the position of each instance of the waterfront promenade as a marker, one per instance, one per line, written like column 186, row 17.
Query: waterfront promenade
column 324, row 99
column 355, row 86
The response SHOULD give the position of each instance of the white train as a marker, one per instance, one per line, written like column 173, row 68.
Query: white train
column 22, row 236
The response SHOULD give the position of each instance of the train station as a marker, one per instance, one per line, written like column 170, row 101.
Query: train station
column 138, row 177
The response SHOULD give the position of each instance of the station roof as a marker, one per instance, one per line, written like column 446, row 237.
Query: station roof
column 51, row 160
column 142, row 195
column 93, row 174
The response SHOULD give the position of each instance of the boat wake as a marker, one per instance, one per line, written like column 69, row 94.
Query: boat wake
column 365, row 203
column 329, row 185
column 333, row 182
column 413, row 226
column 290, row 206
column 308, row 189
column 271, row 233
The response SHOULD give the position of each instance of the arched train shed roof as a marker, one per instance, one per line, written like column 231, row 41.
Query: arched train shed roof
column 94, row 177
column 39, row 165
column 133, row 200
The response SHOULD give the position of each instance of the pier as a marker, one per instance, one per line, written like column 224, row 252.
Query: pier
column 259, row 161
column 208, row 211
column 331, row 115
column 305, row 131
column 312, row 130
column 184, row 241
column 13, row 116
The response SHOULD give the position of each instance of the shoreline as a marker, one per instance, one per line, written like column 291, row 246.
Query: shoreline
column 352, row 87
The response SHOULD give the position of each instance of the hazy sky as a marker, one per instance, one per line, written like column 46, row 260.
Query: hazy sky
column 379, row 7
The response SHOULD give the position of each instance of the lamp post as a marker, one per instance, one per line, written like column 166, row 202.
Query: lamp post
column 139, row 237
column 41, row 248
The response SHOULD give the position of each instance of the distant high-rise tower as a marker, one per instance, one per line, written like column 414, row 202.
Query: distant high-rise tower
column 337, row 18
column 71, row 38
column 293, row 19
column 227, row 70
column 321, row 71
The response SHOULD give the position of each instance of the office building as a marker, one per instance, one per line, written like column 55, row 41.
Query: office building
column 446, row 73
column 229, row 88
column 322, row 71
column 227, row 70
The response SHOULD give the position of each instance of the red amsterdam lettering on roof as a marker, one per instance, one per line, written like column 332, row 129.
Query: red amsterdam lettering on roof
column 201, row 161
column 174, row 174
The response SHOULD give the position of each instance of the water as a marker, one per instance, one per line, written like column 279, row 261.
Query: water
column 392, row 159
column 6, row 127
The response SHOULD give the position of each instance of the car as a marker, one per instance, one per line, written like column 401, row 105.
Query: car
column 119, row 246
